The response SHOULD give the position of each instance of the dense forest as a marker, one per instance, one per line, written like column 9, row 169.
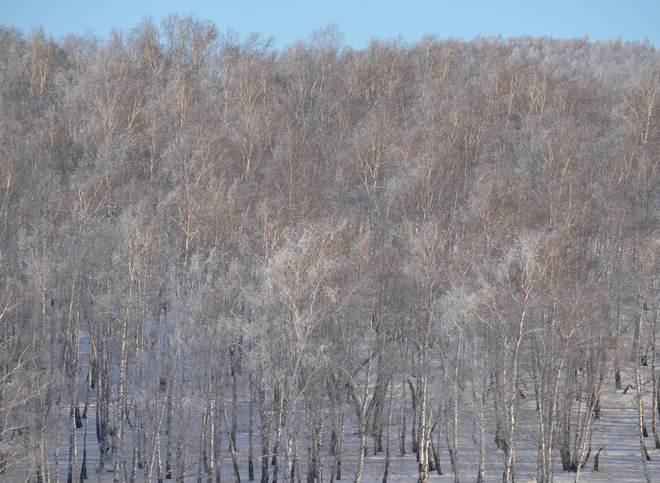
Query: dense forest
column 221, row 260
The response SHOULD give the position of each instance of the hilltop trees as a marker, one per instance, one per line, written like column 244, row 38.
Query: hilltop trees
column 222, row 260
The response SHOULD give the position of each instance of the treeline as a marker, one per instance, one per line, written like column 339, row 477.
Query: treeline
column 233, row 259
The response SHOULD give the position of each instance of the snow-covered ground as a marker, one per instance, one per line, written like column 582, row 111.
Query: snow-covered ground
column 616, row 430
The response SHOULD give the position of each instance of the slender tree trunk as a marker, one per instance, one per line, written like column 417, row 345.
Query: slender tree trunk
column 73, row 450
column 291, row 447
column 182, row 453
column 654, row 404
column 314, row 446
column 232, row 448
column 72, row 363
column 455, row 459
column 202, row 465
column 102, row 412
column 498, row 400
column 119, row 471
column 265, row 430
column 361, row 450
column 83, row 466
column 413, row 401
column 159, row 459
column 212, row 438
column 402, row 420
column 251, row 430
column 218, row 444
column 513, row 397
column 435, row 451
column 617, row 363
column 379, row 409
column 449, row 436
column 482, row 433
column 44, row 455
column 136, row 444
column 169, row 421
column 337, row 442
column 422, row 453
column 644, row 455
column 386, row 472
column 279, row 403
column 234, row 397
column 318, row 449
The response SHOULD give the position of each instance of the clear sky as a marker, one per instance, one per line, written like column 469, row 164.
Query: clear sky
column 357, row 20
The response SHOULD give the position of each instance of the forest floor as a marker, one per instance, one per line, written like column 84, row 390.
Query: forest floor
column 616, row 431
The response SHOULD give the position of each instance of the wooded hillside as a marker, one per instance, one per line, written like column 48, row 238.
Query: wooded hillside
column 231, row 259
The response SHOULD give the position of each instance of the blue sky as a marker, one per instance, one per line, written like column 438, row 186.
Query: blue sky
column 358, row 21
